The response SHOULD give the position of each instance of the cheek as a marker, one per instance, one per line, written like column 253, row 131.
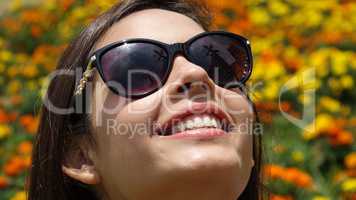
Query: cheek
column 116, row 115
column 121, row 128
column 240, row 108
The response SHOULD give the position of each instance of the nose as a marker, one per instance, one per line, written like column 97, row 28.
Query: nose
column 189, row 80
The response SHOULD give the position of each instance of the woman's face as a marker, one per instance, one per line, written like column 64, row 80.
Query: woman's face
column 135, row 163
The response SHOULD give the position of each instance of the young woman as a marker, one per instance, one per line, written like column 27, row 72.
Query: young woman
column 159, row 112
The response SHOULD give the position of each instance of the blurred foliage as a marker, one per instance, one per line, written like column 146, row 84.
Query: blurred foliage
column 304, row 60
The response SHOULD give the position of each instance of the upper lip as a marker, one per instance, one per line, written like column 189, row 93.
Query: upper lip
column 195, row 109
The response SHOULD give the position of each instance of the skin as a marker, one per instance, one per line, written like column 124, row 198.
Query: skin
column 132, row 165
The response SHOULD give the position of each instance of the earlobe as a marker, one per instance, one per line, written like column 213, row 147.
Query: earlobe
column 86, row 174
column 252, row 163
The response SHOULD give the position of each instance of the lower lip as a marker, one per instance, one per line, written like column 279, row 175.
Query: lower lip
column 202, row 133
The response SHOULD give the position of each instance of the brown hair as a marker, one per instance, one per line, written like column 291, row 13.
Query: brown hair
column 47, row 180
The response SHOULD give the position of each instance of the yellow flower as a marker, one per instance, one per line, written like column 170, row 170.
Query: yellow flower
column 278, row 8
column 353, row 61
column 320, row 124
column 318, row 60
column 334, row 84
column 5, row 55
column 14, row 87
column 43, row 82
column 310, row 133
column 79, row 13
column 30, row 71
column 31, row 85
column 323, row 121
column 275, row 69
column 304, row 99
column 260, row 16
column 339, row 63
column 4, row 131
column 347, row 82
column 22, row 58
column 19, row 196
column 49, row 4
column 104, row 5
column 349, row 185
column 298, row 156
column 271, row 90
column 320, row 198
column 330, row 104
column 15, row 5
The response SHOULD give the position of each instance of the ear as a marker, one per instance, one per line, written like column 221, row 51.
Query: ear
column 252, row 162
column 78, row 164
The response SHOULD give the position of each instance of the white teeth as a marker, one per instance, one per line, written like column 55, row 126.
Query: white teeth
column 207, row 121
column 196, row 122
column 189, row 124
column 181, row 127
column 215, row 123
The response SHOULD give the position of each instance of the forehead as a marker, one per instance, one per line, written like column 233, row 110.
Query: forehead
column 157, row 24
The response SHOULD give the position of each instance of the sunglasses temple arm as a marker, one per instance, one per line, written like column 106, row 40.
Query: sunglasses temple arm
column 88, row 73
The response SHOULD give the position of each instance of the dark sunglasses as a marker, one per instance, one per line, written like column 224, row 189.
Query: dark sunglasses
column 135, row 68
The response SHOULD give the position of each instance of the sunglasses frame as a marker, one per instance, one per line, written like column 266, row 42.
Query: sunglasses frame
column 171, row 49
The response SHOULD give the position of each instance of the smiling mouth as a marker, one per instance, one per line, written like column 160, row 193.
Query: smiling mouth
column 194, row 122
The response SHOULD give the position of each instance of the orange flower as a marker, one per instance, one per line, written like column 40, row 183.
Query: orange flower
column 25, row 148
column 285, row 106
column 267, row 57
column 7, row 117
column 27, row 161
column 31, row 16
column 30, row 123
column 265, row 117
column 221, row 19
column 221, row 4
column 352, row 121
column 340, row 176
column 36, row 31
column 350, row 161
column 303, row 180
column 334, row 130
column 351, row 172
column 66, row 4
column 280, row 197
column 11, row 25
column 291, row 175
column 343, row 138
column 331, row 37
column 15, row 100
column 14, row 166
column 4, row 182
column 293, row 64
column 273, row 171
column 240, row 26
column 47, row 55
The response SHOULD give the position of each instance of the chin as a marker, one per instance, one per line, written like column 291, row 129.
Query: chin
column 201, row 160
column 205, row 170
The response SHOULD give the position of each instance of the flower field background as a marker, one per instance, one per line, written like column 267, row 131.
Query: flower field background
column 303, row 84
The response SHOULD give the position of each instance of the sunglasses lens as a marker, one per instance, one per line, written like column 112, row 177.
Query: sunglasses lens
column 135, row 69
column 225, row 58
